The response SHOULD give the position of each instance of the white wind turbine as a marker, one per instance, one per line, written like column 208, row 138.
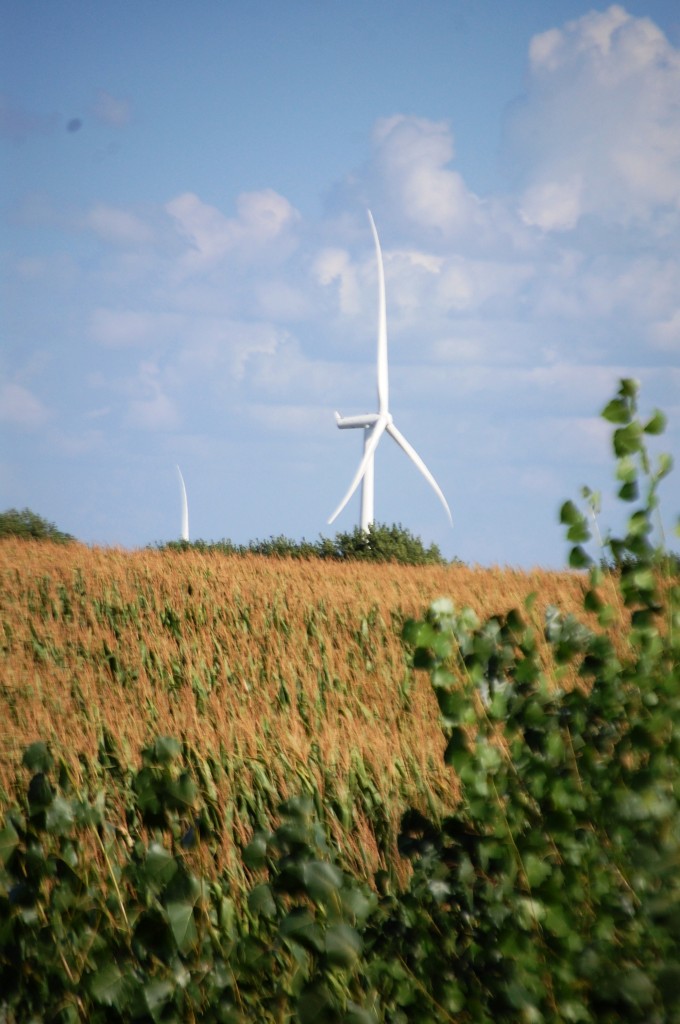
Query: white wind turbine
column 375, row 424
column 185, row 507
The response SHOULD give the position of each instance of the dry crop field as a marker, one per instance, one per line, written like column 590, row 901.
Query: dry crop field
column 277, row 675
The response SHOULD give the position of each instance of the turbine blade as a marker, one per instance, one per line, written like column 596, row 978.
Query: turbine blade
column 369, row 451
column 383, row 377
column 413, row 455
column 185, row 507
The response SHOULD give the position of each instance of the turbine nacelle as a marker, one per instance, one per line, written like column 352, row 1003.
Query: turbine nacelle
column 369, row 420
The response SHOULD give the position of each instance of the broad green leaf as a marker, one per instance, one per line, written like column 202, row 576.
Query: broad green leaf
column 300, row 926
column 629, row 491
column 442, row 679
column 157, row 994
column 530, row 912
column 358, row 904
column 579, row 558
column 315, row 1005
column 629, row 387
column 160, row 865
column 321, row 880
column 664, row 466
column 570, row 514
column 616, row 411
column 59, row 817
column 457, row 752
column 9, row 840
column 578, row 533
column 343, row 945
column 592, row 602
column 627, row 440
column 657, row 423
column 182, row 792
column 639, row 524
column 572, row 1010
column 489, row 756
column 453, row 706
column 442, row 608
column 37, row 758
column 181, row 918
column 537, row 869
column 108, row 987
column 453, row 997
column 166, row 749
column 637, row 987
column 359, row 1015
column 40, row 793
column 255, row 853
column 261, row 901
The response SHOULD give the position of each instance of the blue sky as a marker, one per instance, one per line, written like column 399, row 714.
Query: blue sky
column 189, row 274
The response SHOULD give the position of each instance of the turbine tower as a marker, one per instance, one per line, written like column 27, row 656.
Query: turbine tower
column 185, row 507
column 375, row 424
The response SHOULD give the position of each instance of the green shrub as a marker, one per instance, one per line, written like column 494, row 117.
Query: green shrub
column 553, row 894
column 382, row 543
column 24, row 523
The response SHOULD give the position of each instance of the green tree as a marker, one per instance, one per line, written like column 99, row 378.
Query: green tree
column 25, row 523
column 383, row 543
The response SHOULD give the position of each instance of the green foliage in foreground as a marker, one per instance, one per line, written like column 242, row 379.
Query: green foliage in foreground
column 382, row 544
column 24, row 523
column 551, row 895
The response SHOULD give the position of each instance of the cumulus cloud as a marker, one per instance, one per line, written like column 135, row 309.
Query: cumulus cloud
column 264, row 219
column 335, row 265
column 598, row 131
column 413, row 155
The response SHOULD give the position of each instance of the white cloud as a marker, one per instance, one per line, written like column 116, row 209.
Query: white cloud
column 263, row 219
column 118, row 226
column 598, row 131
column 220, row 349
column 333, row 265
column 20, row 407
column 413, row 155
column 553, row 205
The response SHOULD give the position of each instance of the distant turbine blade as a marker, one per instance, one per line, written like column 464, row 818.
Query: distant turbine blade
column 413, row 455
column 383, row 379
column 377, row 432
column 185, row 507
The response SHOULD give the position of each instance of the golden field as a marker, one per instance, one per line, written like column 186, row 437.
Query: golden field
column 279, row 675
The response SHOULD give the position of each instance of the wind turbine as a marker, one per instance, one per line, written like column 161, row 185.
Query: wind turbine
column 185, row 507
column 375, row 424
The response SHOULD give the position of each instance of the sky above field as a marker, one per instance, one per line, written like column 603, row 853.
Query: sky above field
column 189, row 275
